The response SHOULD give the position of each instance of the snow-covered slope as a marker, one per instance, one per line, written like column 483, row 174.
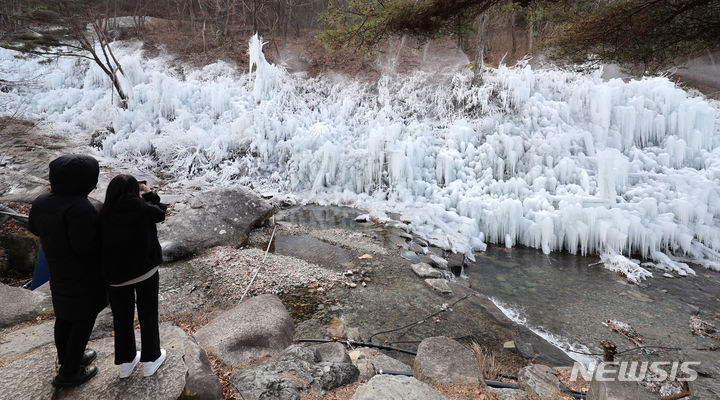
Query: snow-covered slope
column 544, row 158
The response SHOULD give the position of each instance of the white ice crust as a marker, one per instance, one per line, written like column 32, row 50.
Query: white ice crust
column 546, row 158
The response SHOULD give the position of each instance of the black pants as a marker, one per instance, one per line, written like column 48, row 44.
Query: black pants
column 122, row 302
column 71, row 337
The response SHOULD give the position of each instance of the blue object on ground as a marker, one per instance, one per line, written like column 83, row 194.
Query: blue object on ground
column 42, row 273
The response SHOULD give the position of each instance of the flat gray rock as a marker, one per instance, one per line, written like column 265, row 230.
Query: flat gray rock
column 509, row 394
column 396, row 387
column 369, row 361
column 424, row 270
column 257, row 327
column 539, row 380
column 443, row 360
column 333, row 352
column 29, row 376
column 617, row 390
column 212, row 218
column 438, row 284
column 20, row 304
column 297, row 369
column 438, row 262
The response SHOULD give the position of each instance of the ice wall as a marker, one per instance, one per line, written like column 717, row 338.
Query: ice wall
column 550, row 159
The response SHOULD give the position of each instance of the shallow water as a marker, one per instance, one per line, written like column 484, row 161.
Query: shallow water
column 566, row 295
column 560, row 295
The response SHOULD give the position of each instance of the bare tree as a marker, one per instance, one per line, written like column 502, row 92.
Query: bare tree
column 76, row 29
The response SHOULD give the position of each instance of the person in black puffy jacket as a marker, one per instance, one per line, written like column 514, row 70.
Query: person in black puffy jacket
column 66, row 223
column 130, row 254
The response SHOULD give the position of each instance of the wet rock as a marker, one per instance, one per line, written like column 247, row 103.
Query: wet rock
column 438, row 262
column 20, row 304
column 255, row 328
column 707, row 384
column 440, row 285
column 539, row 380
column 398, row 242
column 443, row 360
column 424, row 270
column 29, row 376
column 396, row 388
column 617, row 390
column 333, row 352
column 533, row 347
column 420, row 242
column 21, row 251
column 297, row 368
column 410, row 256
column 213, row 218
column 509, row 394
column 417, row 249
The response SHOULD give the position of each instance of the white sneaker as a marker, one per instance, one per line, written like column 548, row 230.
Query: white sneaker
column 150, row 367
column 126, row 369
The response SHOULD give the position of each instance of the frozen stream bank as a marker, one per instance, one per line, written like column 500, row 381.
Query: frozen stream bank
column 549, row 159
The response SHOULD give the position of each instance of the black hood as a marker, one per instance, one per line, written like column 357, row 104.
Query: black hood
column 74, row 174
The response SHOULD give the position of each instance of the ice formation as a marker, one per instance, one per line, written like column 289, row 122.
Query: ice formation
column 545, row 158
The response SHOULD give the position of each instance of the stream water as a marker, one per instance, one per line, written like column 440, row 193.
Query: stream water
column 560, row 297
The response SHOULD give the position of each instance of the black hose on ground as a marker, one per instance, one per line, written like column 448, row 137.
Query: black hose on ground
column 354, row 343
column 385, row 372
column 8, row 212
column 501, row 385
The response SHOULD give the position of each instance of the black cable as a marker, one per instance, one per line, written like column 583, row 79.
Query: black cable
column 354, row 343
column 419, row 321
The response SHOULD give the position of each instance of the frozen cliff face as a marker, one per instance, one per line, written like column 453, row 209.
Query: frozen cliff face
column 544, row 158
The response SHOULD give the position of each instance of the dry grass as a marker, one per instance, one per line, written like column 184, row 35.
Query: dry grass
column 491, row 369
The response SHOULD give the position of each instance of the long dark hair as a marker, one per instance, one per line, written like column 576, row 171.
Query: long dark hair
column 122, row 188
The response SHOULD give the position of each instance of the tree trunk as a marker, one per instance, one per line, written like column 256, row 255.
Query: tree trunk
column 530, row 36
column 512, row 31
column 480, row 54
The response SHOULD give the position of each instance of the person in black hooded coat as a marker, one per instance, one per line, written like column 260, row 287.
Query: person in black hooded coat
column 66, row 223
column 131, row 255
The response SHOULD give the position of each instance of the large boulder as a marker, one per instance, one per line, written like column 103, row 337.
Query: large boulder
column 255, row 328
column 29, row 376
column 298, row 368
column 212, row 218
column 396, row 387
column 539, row 380
column 443, row 360
column 20, row 304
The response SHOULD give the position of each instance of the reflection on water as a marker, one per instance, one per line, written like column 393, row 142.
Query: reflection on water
column 566, row 295
column 311, row 249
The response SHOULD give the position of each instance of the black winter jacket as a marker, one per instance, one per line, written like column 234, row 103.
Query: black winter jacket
column 66, row 223
column 130, row 246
